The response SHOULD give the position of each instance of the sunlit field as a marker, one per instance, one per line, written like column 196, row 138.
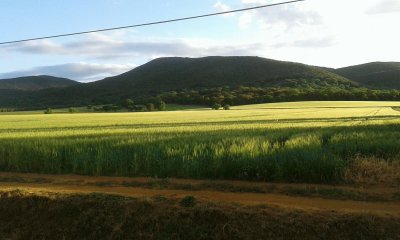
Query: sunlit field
column 292, row 142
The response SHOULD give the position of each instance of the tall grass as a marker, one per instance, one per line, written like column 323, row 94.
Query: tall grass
column 202, row 144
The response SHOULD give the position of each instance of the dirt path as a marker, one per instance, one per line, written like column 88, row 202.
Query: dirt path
column 82, row 184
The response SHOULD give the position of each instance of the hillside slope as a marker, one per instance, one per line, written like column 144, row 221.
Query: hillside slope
column 165, row 74
column 175, row 74
column 385, row 75
column 32, row 83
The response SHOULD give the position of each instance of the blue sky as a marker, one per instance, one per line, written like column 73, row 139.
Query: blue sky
column 332, row 33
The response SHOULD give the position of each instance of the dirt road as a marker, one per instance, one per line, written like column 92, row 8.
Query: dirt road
column 215, row 191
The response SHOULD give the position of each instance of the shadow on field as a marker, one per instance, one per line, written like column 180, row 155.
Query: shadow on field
column 100, row 216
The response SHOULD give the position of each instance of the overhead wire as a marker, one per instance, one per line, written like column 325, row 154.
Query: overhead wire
column 151, row 23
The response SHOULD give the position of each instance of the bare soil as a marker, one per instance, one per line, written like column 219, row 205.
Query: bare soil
column 35, row 206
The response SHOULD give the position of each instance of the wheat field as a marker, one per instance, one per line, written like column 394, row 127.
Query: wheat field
column 292, row 142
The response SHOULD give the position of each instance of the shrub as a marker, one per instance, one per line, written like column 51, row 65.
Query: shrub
column 216, row 106
column 150, row 107
column 227, row 107
column 188, row 201
column 161, row 106
column 48, row 111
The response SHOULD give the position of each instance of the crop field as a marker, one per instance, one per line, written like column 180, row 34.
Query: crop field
column 314, row 142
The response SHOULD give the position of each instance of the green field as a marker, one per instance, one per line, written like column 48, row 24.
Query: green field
column 292, row 142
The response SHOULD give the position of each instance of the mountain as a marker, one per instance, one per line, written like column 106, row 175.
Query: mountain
column 165, row 74
column 33, row 83
column 381, row 75
column 182, row 75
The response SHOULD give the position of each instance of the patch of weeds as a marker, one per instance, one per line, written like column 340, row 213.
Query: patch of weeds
column 103, row 184
column 107, row 197
column 13, row 193
column 187, row 186
column 396, row 196
column 188, row 201
column 330, row 193
column 131, row 184
column 24, row 180
column 160, row 198
column 225, row 187
column 158, row 183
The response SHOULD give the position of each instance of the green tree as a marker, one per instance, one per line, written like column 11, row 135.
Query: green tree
column 216, row 106
column 227, row 107
column 150, row 107
column 129, row 104
column 48, row 111
column 161, row 105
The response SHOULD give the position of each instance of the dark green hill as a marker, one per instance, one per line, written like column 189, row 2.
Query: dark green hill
column 33, row 83
column 165, row 74
column 177, row 74
column 383, row 75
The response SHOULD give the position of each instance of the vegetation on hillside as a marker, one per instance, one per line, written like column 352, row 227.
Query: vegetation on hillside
column 32, row 83
column 384, row 75
column 222, row 80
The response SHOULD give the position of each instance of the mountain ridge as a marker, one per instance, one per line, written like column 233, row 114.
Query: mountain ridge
column 171, row 74
column 34, row 83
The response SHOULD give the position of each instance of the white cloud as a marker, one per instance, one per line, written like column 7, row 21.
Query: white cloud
column 104, row 48
column 220, row 6
column 84, row 72
column 385, row 6
column 245, row 20
column 308, row 43
column 287, row 16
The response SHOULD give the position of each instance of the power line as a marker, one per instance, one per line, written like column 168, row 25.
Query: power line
column 151, row 23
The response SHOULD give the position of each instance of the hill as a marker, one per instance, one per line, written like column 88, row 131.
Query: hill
column 165, row 74
column 32, row 83
column 231, row 80
column 382, row 75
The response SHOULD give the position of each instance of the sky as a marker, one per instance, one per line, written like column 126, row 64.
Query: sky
column 329, row 33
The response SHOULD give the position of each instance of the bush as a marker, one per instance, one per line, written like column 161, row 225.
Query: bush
column 227, row 107
column 139, row 108
column 72, row 110
column 216, row 106
column 48, row 111
column 129, row 104
column 150, row 107
column 161, row 106
column 188, row 201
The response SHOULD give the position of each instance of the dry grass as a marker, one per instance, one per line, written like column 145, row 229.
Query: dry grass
column 372, row 170
column 100, row 216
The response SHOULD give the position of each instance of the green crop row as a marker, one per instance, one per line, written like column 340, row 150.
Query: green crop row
column 307, row 147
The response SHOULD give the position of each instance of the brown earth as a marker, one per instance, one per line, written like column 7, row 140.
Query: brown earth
column 222, row 209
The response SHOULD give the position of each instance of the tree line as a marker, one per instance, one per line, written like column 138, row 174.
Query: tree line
column 253, row 95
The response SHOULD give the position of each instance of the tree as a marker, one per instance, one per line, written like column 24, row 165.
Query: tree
column 48, row 111
column 150, row 107
column 129, row 104
column 72, row 110
column 216, row 106
column 139, row 108
column 161, row 105
column 227, row 107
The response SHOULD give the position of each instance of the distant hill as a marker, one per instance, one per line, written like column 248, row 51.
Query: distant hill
column 33, row 83
column 166, row 74
column 207, row 79
column 384, row 75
